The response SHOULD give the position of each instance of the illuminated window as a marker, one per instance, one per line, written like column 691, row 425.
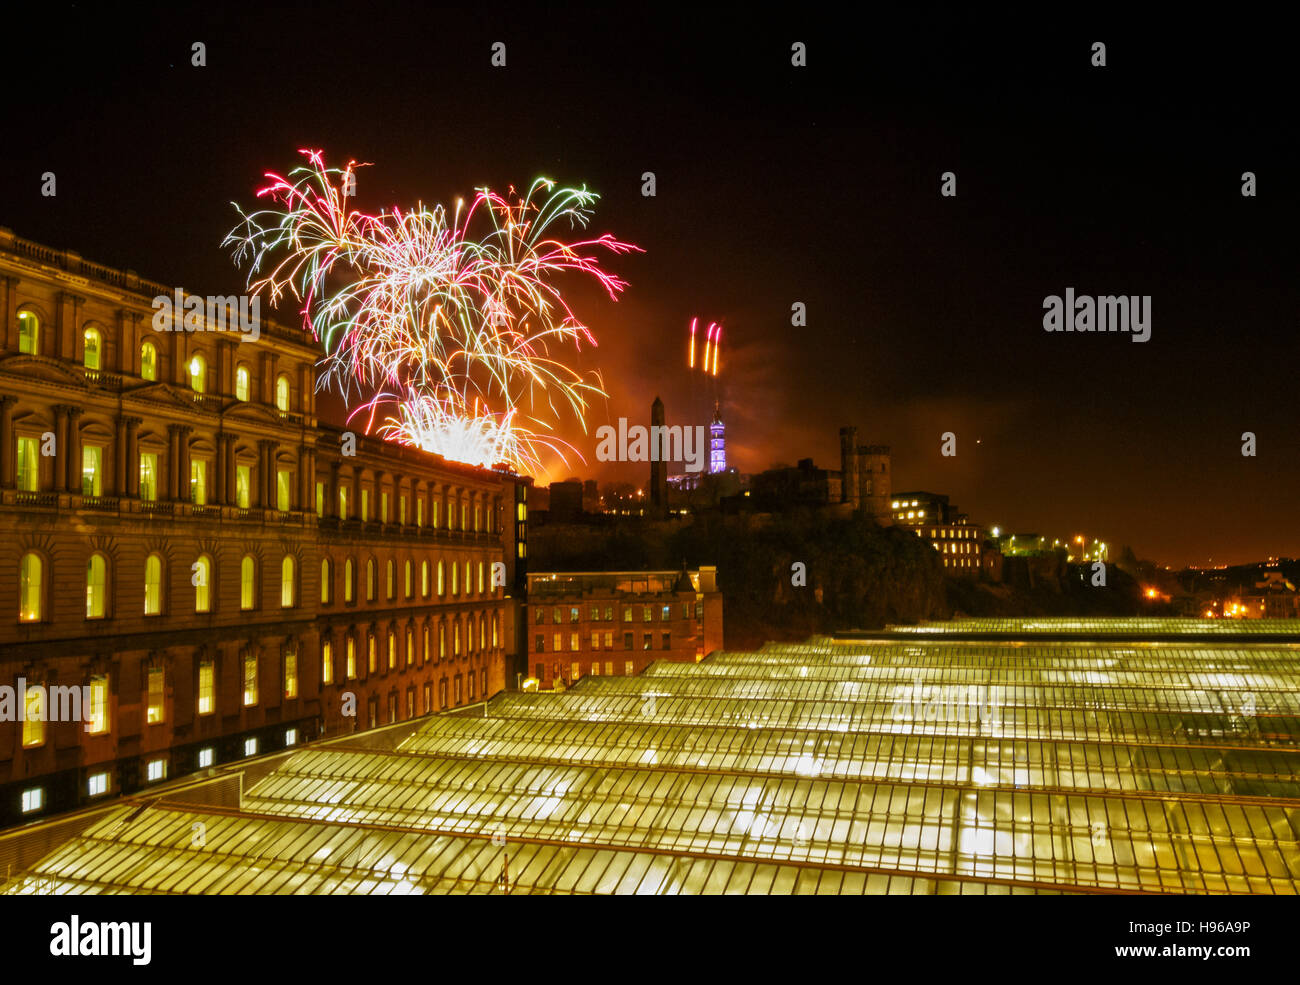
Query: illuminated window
column 575, row 670
column 207, row 687
column 326, row 662
column 250, row 679
column 96, row 784
column 198, row 482
column 29, row 333
column 370, row 579
column 410, row 646
column 96, row 586
column 595, row 641
column 383, row 507
column 442, row 586
column 250, row 747
column 287, row 587
column 349, row 574
column 243, row 486
column 370, row 653
column 480, row 577
column 241, row 384
column 401, row 510
column 33, row 800
column 407, row 586
column 388, row 579
column 419, row 511
column 29, row 474
column 90, row 356
column 320, row 499
column 247, row 586
column 392, row 649
column 442, row 641
column 153, row 585
column 365, row 505
column 283, row 489
column 34, row 716
column 202, row 578
column 97, row 716
column 573, row 642
column 92, row 470
column 282, row 393
column 156, row 770
column 148, row 361
column 350, row 652
column 325, row 574
column 455, row 569
column 291, row 673
column 154, row 709
column 291, row 737
column 343, row 502
column 424, row 579
column 207, row 757
column 198, row 372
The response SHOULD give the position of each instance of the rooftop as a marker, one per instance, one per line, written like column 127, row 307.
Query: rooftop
column 829, row 766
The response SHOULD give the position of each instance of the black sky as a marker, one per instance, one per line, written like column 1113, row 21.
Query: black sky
column 775, row 185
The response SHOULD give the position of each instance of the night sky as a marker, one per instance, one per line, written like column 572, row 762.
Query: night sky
column 778, row 184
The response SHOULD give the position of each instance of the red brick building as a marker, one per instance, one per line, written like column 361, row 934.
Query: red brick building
column 618, row 622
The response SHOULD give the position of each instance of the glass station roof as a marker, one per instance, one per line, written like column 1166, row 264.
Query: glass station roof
column 894, row 766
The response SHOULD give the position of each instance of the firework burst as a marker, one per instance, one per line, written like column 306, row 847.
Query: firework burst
column 453, row 319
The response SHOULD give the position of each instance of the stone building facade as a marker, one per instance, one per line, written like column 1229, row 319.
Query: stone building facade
column 215, row 571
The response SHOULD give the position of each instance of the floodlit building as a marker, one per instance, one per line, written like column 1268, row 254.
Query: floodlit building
column 952, row 534
column 225, row 574
column 616, row 623
column 990, row 757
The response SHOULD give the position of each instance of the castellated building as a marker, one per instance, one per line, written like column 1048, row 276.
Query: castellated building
column 864, row 476
column 217, row 572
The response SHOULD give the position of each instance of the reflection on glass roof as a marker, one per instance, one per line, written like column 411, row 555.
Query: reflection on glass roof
column 895, row 766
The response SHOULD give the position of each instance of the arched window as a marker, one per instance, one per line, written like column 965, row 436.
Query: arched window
column 349, row 575
column 29, row 333
column 455, row 578
column 442, row 641
column 282, row 393
column 31, row 598
column 286, row 583
column 148, row 361
column 153, row 585
column 388, row 579
column 469, row 585
column 96, row 586
column 424, row 578
column 241, row 383
column 406, row 579
column 442, row 586
column 90, row 356
column 482, row 633
column 198, row 374
column 495, row 635
column 202, row 578
column 480, row 577
column 370, row 579
column 455, row 648
column 325, row 586
column 247, row 570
